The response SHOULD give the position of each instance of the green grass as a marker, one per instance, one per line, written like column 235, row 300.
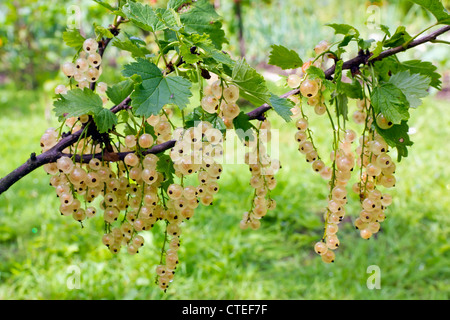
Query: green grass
column 38, row 247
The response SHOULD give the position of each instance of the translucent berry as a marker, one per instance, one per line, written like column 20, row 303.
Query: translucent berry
column 309, row 88
column 90, row 45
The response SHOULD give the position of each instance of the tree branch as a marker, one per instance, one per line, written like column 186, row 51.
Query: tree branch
column 56, row 152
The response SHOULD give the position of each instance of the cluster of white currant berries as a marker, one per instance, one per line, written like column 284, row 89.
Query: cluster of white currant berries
column 221, row 98
column 85, row 70
column 262, row 168
column 306, row 147
column 199, row 150
column 161, row 125
column 343, row 163
column 377, row 169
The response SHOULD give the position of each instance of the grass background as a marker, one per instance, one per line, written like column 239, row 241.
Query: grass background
column 40, row 250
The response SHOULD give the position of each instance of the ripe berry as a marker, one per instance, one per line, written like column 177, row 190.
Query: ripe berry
column 293, row 81
column 90, row 45
column 383, row 122
column 146, row 141
column 309, row 88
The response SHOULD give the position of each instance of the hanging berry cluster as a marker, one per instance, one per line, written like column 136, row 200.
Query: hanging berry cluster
column 86, row 69
column 371, row 156
column 263, row 169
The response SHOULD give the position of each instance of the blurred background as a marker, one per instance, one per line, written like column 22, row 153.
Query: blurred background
column 42, row 252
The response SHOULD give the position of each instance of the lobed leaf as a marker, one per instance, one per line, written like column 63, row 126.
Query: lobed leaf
column 284, row 58
column 414, row 86
column 78, row 102
column 391, row 102
column 282, row 107
column 436, row 8
column 156, row 90
column 251, row 84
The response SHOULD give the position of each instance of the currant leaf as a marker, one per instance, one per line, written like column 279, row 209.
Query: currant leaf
column 284, row 58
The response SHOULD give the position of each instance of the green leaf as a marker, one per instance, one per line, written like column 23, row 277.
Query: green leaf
column 124, row 42
column 165, row 166
column 143, row 16
column 218, row 123
column 424, row 68
column 344, row 29
column 436, row 8
column 156, row 90
column 386, row 67
column 198, row 114
column 204, row 43
column 398, row 38
column 391, row 102
column 105, row 119
column 346, row 40
column 202, row 18
column 365, row 44
column 385, row 29
column 188, row 56
column 176, row 4
column 315, row 73
column 352, row 90
column 194, row 117
column 282, row 106
column 397, row 137
column 251, row 84
column 73, row 38
column 414, row 86
column 168, row 19
column 78, row 102
column 120, row 91
column 106, row 5
column 243, row 127
column 342, row 106
column 102, row 32
column 284, row 58
column 378, row 49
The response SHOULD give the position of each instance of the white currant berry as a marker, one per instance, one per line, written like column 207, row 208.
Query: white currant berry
column 102, row 87
column 94, row 59
column 210, row 104
column 216, row 89
column 383, row 122
column 231, row 110
column 302, row 124
column 328, row 256
column 309, row 88
column 293, row 81
column 82, row 65
column 90, row 45
column 231, row 94
column 131, row 160
column 65, row 164
column 146, row 141
column 68, row 68
column 92, row 74
column 320, row 248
